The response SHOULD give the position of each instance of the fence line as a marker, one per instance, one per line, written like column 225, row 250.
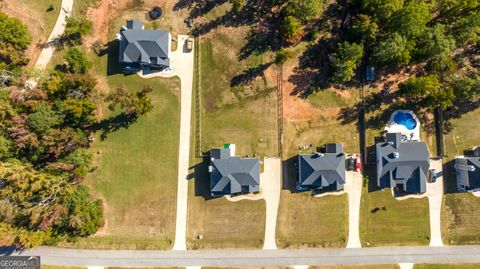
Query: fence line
column 280, row 109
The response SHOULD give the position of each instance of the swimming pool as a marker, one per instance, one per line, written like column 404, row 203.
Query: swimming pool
column 406, row 119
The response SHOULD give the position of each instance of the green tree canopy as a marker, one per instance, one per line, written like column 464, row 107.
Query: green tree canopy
column 77, row 61
column 304, row 10
column 290, row 27
column 393, row 50
column 345, row 61
column 411, row 20
column 43, row 118
column 435, row 45
column 381, row 10
column 363, row 30
column 75, row 30
column 429, row 89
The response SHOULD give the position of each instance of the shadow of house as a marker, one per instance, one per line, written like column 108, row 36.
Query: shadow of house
column 449, row 177
column 202, row 177
column 112, row 52
column 290, row 174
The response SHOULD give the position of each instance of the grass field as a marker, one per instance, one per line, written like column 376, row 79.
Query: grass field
column 447, row 266
column 137, row 166
column 460, row 216
column 242, row 114
column 370, row 266
column 224, row 224
column 326, row 127
column 385, row 221
column 306, row 221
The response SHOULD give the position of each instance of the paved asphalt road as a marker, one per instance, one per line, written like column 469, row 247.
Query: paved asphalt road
column 142, row 258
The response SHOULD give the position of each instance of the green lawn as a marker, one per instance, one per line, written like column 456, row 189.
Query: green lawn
column 306, row 221
column 224, row 224
column 460, row 216
column 447, row 266
column 324, row 128
column 242, row 114
column 385, row 221
column 136, row 171
column 370, row 266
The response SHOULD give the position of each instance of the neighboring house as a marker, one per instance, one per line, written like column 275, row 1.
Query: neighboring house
column 143, row 49
column 402, row 164
column 322, row 171
column 467, row 168
column 231, row 174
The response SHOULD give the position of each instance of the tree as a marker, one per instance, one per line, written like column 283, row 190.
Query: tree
column 77, row 61
column 435, row 45
column 80, row 159
column 345, row 61
column 363, row 30
column 381, row 10
column 282, row 56
column 5, row 147
column 78, row 112
column 466, row 87
column 290, row 28
column 75, row 30
column 393, row 50
column 468, row 29
column 429, row 89
column 132, row 103
column 43, row 119
column 14, row 39
column 238, row 5
column 304, row 10
column 411, row 20
column 84, row 213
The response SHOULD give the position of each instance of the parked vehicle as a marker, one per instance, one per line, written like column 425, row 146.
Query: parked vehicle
column 189, row 44
column 351, row 164
column 432, row 175
column 358, row 164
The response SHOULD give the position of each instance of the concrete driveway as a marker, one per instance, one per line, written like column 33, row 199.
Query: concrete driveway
column 182, row 62
column 270, row 184
column 435, row 195
column 353, row 187
column 270, row 187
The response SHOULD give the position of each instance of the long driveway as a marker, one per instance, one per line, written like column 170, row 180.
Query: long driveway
column 49, row 48
column 230, row 258
column 182, row 60
column 270, row 184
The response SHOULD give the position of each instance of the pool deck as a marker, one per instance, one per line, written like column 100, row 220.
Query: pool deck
column 394, row 127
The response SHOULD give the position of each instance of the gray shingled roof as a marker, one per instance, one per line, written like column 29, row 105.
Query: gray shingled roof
column 323, row 170
column 402, row 162
column 144, row 46
column 232, row 175
column 467, row 169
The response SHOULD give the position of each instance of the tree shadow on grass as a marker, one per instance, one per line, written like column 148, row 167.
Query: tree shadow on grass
column 249, row 75
column 110, row 125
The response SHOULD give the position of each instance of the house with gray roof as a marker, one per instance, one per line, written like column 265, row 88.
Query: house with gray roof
column 142, row 49
column 467, row 169
column 402, row 164
column 230, row 175
column 322, row 171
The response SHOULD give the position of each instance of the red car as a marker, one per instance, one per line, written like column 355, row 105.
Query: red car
column 358, row 164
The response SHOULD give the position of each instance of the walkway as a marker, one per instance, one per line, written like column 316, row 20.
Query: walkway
column 49, row 48
column 353, row 188
column 435, row 195
column 258, row 258
column 181, row 61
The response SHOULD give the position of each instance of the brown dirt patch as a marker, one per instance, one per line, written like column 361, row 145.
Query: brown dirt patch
column 99, row 17
column 294, row 107
column 34, row 23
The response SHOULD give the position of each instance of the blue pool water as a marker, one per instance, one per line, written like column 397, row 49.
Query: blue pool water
column 405, row 119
